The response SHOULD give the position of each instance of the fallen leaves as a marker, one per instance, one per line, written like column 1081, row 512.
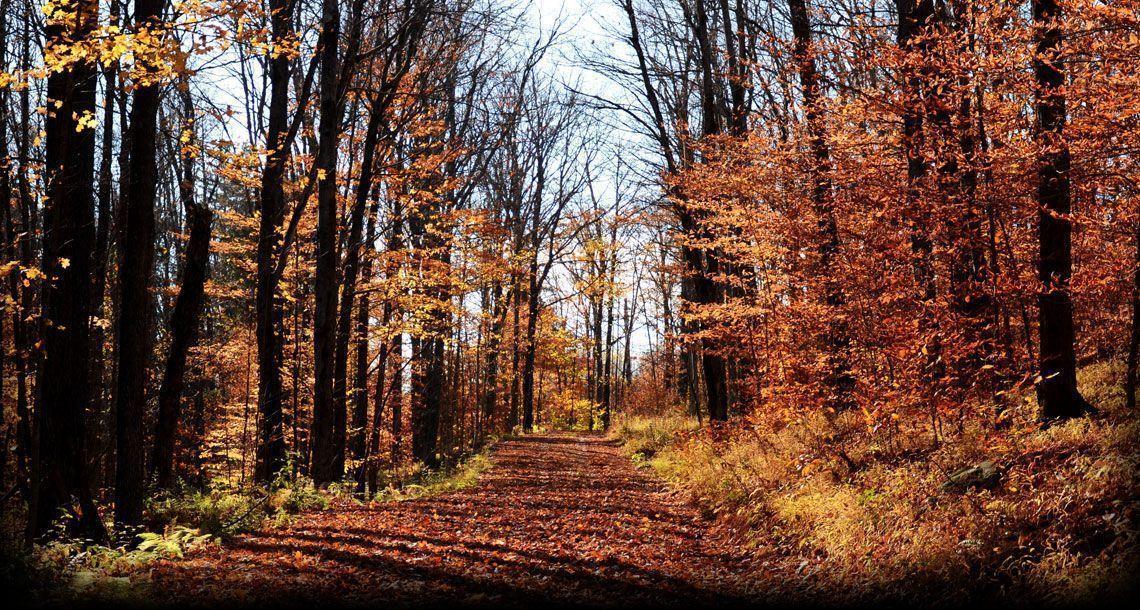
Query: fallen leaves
column 559, row 518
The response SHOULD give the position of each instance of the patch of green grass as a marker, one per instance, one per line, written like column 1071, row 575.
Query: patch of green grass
column 73, row 570
column 217, row 512
column 425, row 483
column 645, row 437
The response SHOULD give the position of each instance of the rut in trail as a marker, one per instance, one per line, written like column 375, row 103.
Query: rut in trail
column 558, row 518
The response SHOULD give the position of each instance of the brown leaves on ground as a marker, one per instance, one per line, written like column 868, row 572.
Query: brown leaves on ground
column 559, row 518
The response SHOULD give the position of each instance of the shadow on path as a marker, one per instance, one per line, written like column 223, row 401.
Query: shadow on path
column 559, row 519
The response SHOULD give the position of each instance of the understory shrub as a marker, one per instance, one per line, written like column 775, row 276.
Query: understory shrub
column 867, row 513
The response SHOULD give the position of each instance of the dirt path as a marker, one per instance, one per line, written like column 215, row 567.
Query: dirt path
column 558, row 518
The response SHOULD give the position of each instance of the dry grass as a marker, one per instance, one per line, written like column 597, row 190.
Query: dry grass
column 851, row 515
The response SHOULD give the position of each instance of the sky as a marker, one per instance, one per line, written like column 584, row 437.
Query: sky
column 589, row 26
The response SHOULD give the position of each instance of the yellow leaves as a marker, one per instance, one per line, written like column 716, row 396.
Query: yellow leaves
column 288, row 48
column 84, row 121
column 31, row 274
column 58, row 11
column 119, row 47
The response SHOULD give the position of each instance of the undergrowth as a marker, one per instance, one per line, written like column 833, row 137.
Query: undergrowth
column 849, row 515
column 187, row 519
column 422, row 482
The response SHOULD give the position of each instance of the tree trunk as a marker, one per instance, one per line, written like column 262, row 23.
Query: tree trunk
column 19, row 248
column 328, row 418
column 271, row 439
column 184, row 320
column 969, row 276
column 491, row 375
column 533, row 306
column 516, row 354
column 426, row 387
column 136, row 269
column 914, row 18
column 6, row 238
column 360, row 373
column 1057, row 394
column 607, row 383
column 107, row 214
column 396, row 397
column 353, row 250
column 701, row 262
column 428, row 374
column 1134, row 340
column 838, row 380
column 382, row 399
column 58, row 474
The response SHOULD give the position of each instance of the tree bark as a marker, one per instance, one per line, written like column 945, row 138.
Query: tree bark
column 7, row 237
column 838, row 379
column 1134, row 339
column 136, row 270
column 184, row 320
column 58, row 473
column 352, row 258
column 328, row 431
column 271, row 439
column 1057, row 394
column 491, row 374
column 107, row 214
column 529, row 347
column 19, row 247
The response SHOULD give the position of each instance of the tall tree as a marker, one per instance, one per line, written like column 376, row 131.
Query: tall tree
column 271, row 206
column 58, row 470
column 328, row 420
column 1057, row 393
column 836, row 341
column 184, row 321
column 136, row 268
column 5, row 235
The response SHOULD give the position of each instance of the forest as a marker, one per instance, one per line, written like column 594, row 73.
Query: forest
column 596, row 302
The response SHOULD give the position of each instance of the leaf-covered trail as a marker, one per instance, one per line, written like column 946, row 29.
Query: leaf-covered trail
column 557, row 518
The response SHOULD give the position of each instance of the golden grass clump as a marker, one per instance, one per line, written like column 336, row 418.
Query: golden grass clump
column 855, row 514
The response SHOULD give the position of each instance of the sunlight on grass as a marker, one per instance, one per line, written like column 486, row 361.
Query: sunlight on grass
column 426, row 483
column 1057, row 525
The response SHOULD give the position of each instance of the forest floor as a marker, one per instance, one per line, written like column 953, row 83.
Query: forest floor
column 558, row 518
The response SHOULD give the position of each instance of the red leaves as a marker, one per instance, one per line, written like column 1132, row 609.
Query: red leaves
column 559, row 517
